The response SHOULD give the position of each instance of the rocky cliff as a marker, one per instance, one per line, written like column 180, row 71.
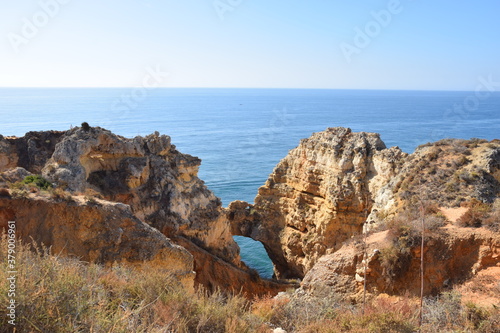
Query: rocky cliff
column 317, row 197
column 337, row 184
column 96, row 231
column 311, row 215
column 158, row 183
column 451, row 256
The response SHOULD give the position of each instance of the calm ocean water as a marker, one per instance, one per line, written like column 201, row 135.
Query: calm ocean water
column 241, row 134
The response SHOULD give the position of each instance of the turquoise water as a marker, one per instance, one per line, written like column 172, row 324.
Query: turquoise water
column 241, row 134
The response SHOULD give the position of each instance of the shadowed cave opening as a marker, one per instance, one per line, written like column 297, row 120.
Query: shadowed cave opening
column 254, row 254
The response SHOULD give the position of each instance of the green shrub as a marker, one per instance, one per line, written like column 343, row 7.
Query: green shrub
column 37, row 181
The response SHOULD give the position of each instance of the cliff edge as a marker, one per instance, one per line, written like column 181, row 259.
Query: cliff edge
column 338, row 187
column 158, row 185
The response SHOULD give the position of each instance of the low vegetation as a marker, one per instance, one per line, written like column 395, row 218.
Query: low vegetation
column 56, row 294
column 406, row 232
column 447, row 172
column 481, row 214
column 38, row 181
column 30, row 184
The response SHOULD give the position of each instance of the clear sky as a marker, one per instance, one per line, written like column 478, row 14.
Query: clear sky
column 424, row 45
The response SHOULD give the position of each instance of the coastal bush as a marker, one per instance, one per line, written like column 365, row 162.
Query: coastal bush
column 442, row 311
column 448, row 313
column 57, row 294
column 474, row 216
column 37, row 181
column 492, row 221
column 406, row 232
column 31, row 183
column 59, row 194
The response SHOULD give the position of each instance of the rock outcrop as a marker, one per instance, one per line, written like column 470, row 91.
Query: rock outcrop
column 138, row 197
column 97, row 231
column 317, row 197
column 30, row 152
column 451, row 256
column 157, row 182
column 337, row 184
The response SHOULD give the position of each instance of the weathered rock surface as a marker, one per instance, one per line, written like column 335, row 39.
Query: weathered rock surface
column 317, row 197
column 159, row 183
column 332, row 187
column 100, row 232
column 29, row 152
column 337, row 183
column 450, row 257
column 447, row 172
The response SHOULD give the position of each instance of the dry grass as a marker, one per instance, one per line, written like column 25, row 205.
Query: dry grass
column 56, row 294
column 447, row 313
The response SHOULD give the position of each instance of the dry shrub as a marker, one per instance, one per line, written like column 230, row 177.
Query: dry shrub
column 492, row 221
column 474, row 216
column 267, row 307
column 58, row 294
column 406, row 231
column 408, row 223
column 382, row 315
column 447, row 313
column 59, row 194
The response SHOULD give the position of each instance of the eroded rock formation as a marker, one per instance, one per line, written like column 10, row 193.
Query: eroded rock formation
column 337, row 183
column 451, row 256
column 309, row 215
column 317, row 197
column 157, row 182
column 100, row 231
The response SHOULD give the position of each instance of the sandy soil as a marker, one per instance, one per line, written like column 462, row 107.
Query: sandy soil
column 453, row 214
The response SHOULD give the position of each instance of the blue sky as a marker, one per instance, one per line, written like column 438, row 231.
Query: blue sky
column 423, row 45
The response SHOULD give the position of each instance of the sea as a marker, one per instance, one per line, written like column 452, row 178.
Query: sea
column 241, row 134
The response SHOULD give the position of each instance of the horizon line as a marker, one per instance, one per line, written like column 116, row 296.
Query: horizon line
column 262, row 88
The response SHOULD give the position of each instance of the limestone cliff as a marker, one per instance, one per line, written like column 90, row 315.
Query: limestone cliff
column 97, row 231
column 317, row 197
column 309, row 215
column 451, row 256
column 337, row 184
column 157, row 182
